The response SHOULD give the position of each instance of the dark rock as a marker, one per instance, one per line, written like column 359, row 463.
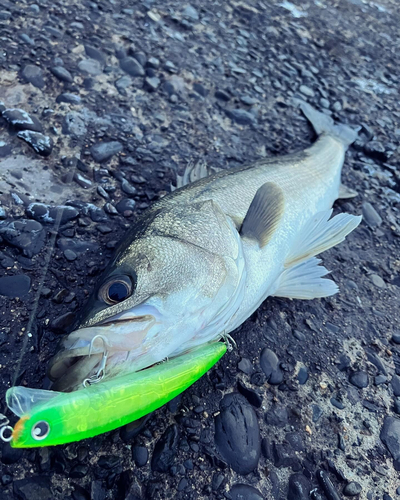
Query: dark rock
column 4, row 15
column 284, row 456
column 241, row 116
column 26, row 39
column 165, row 450
column 295, row 440
column 270, row 366
column 251, row 395
column 327, row 486
column 62, row 323
column 371, row 216
column 376, row 150
column 380, row 379
column 222, row 95
column 245, row 492
column 79, row 471
column 69, row 98
column 245, row 366
column 396, row 406
column 108, row 462
column 48, row 214
column 15, row 286
column 62, row 74
column 258, row 379
column 41, row 144
column 390, row 436
column 352, row 489
column 200, row 89
column 33, row 488
column 317, row 413
column 74, row 124
column 24, row 234
column 10, row 455
column 152, row 83
column 94, row 53
column 82, row 180
column 90, row 67
column 337, row 404
column 70, row 255
column 153, row 62
column 126, row 204
column 131, row 66
column 302, row 376
column 127, row 188
column 140, row 455
column 34, row 75
column 277, row 415
column 103, row 151
column 359, row 379
column 299, row 487
column 237, row 434
column 129, row 431
column 396, row 338
column 21, row 120
column 190, row 13
column 395, row 383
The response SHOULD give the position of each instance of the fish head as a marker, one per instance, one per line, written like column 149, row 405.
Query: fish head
column 157, row 292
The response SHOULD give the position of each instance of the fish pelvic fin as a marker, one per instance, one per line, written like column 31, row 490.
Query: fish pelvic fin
column 319, row 234
column 323, row 123
column 305, row 281
column 264, row 214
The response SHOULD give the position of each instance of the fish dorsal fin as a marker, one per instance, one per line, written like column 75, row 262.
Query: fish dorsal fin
column 304, row 281
column 319, row 233
column 264, row 214
column 345, row 193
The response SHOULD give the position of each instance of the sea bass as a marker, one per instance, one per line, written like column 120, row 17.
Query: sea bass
column 202, row 259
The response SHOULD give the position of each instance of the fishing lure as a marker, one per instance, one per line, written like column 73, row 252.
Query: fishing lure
column 50, row 418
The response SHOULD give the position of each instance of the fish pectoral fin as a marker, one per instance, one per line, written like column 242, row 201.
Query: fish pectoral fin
column 304, row 281
column 345, row 192
column 264, row 214
column 319, row 234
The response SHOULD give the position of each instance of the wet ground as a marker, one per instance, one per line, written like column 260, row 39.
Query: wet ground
column 115, row 98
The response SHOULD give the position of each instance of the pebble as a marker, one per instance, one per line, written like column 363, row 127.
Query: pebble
column 63, row 322
column 21, row 120
column 62, row 74
column 317, row 413
column 299, row 487
column 302, row 376
column 396, row 337
column 15, row 286
column 222, row 95
column 124, row 205
column 359, row 379
column 277, row 415
column 74, row 124
column 4, row 15
column 245, row 366
column 270, row 366
column 48, row 214
column 237, row 434
column 377, row 281
column 26, row 235
column 376, row 150
column 152, row 83
column 306, row 91
column 33, row 488
column 326, row 484
column 380, row 379
column 103, row 151
column 190, row 13
column 94, row 53
column 165, row 450
column 245, row 492
column 241, row 116
column 90, row 67
column 395, row 383
column 140, row 455
column 352, row 489
column 370, row 215
column 127, row 188
column 69, row 98
column 250, row 394
column 40, row 143
column 34, row 75
column 26, row 39
column 82, row 180
column 70, row 255
column 131, row 66
column 337, row 404
column 337, row 106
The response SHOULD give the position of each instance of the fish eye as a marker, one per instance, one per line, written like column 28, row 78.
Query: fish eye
column 116, row 290
column 40, row 430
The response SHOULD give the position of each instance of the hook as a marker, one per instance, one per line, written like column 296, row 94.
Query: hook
column 101, row 372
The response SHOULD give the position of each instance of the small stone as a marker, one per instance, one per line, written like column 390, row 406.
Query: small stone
column 33, row 488
column 241, row 116
column 26, row 39
column 377, row 281
column 299, row 487
column 152, row 84
column 270, row 366
column 371, row 216
column 380, row 379
column 306, row 91
column 337, row 106
column 69, row 98
column 94, row 53
column 245, row 366
column 190, row 13
column 237, row 434
column 140, row 455
column 245, row 492
column 165, row 450
column 34, row 75
column 200, row 89
column 317, row 413
column 15, row 286
column 24, row 234
column 337, row 404
column 250, row 394
column 222, row 95
column 103, row 151
column 62, row 74
column 376, row 150
column 324, row 103
column 4, row 15
column 126, row 204
column 277, row 416
column 127, row 188
column 21, row 120
column 395, row 383
column 326, row 484
column 70, row 255
column 82, row 180
column 74, row 124
column 359, row 379
column 396, row 338
column 302, row 376
column 63, row 322
column 131, row 66
column 90, row 67
column 352, row 489
column 41, row 144
column 153, row 62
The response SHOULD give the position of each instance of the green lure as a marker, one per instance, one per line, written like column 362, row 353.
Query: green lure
column 50, row 418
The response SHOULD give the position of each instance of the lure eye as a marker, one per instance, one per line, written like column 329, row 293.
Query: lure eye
column 40, row 430
column 116, row 290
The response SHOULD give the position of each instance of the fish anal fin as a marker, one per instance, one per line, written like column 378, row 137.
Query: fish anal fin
column 320, row 233
column 264, row 214
column 345, row 192
column 305, row 281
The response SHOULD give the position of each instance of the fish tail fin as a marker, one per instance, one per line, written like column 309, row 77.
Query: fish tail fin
column 323, row 123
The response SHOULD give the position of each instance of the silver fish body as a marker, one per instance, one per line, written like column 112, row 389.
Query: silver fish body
column 201, row 260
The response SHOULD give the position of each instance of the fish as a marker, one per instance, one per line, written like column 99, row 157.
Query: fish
column 49, row 418
column 199, row 261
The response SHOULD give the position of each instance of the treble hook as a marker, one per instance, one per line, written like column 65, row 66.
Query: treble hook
column 229, row 341
column 95, row 379
column 5, row 427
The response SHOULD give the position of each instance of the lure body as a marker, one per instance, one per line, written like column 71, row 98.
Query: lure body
column 68, row 417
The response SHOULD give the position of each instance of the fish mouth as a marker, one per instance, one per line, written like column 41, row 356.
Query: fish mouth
column 103, row 349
